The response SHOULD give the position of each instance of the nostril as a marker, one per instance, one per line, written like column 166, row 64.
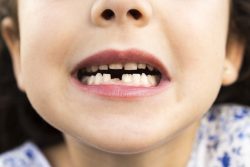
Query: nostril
column 108, row 14
column 136, row 14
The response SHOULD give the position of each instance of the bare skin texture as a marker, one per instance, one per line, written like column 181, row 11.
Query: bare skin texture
column 189, row 37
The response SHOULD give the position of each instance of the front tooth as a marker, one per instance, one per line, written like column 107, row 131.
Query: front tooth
column 115, row 66
column 91, row 80
column 127, row 78
column 136, row 79
column 115, row 81
column 130, row 66
column 144, row 80
column 106, row 78
column 103, row 67
column 94, row 68
column 98, row 79
column 150, row 67
column 141, row 66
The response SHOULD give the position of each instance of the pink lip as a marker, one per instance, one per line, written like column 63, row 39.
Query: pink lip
column 122, row 91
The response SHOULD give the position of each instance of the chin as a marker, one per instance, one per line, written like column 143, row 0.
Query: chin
column 123, row 144
column 125, row 148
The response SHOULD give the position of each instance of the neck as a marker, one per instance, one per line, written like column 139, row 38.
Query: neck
column 167, row 154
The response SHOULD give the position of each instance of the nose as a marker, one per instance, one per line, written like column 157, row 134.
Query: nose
column 108, row 12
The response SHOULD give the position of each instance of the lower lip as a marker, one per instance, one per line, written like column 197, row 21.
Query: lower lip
column 122, row 91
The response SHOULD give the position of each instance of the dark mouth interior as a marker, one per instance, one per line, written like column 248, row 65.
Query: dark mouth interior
column 117, row 73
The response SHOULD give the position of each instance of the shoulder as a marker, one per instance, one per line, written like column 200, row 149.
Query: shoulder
column 223, row 139
column 227, row 121
column 26, row 155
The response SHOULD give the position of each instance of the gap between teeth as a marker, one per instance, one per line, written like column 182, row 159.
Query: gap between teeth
column 127, row 79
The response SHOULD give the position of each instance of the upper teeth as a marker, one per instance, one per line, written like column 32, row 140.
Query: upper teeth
column 118, row 66
column 103, row 67
column 141, row 66
column 130, row 66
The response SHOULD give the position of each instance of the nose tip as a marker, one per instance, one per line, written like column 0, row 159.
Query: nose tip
column 107, row 12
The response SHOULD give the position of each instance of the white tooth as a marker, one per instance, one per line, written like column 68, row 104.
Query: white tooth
column 130, row 66
column 127, row 78
column 141, row 66
column 98, row 79
column 150, row 67
column 85, row 80
column 103, row 67
column 115, row 66
column 115, row 80
column 152, row 80
column 106, row 78
column 144, row 80
column 91, row 80
column 94, row 68
column 136, row 79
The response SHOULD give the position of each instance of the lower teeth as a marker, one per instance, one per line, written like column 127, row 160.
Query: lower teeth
column 127, row 79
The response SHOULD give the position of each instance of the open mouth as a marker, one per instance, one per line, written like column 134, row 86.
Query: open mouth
column 130, row 74
column 126, row 72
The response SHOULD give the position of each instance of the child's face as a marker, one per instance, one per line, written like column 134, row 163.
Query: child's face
column 188, row 37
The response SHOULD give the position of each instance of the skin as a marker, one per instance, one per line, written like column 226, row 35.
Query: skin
column 192, row 40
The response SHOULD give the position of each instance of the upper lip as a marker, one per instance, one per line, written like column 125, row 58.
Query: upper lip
column 115, row 56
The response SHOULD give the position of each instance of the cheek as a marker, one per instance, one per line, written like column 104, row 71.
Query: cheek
column 47, row 41
column 197, row 31
column 51, row 36
column 46, row 38
column 197, row 35
column 46, row 45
